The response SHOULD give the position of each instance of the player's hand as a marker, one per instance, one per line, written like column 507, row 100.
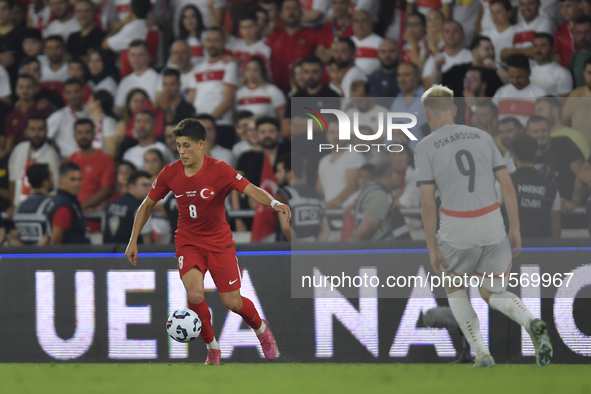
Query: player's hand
column 515, row 241
column 436, row 258
column 284, row 209
column 131, row 253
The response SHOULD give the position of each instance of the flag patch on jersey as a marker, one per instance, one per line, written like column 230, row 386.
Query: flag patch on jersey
column 154, row 184
column 238, row 176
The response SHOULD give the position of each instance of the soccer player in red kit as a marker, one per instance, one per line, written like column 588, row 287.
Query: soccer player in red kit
column 203, row 239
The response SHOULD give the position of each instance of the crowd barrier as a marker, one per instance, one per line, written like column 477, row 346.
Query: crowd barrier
column 88, row 304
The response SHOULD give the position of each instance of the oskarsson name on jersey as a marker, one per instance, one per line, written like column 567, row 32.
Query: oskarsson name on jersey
column 462, row 135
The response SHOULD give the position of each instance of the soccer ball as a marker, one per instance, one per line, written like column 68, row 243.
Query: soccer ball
column 183, row 325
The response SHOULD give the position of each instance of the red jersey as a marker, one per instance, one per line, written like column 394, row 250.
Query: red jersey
column 200, row 199
column 330, row 32
column 564, row 43
column 16, row 122
column 98, row 170
column 286, row 50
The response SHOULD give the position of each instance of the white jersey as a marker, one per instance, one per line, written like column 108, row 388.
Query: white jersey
column 524, row 32
column 146, row 81
column 209, row 82
column 186, row 82
column 48, row 75
column 60, row 128
column 197, row 51
column 553, row 78
column 518, row 103
column 62, row 29
column 241, row 51
column 353, row 74
column 136, row 30
column 263, row 100
column 549, row 9
column 5, row 89
column 366, row 53
column 464, row 56
column 461, row 161
column 500, row 40
column 105, row 127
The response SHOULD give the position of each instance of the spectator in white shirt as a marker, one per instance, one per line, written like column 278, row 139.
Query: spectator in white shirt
column 250, row 44
column 60, row 125
column 180, row 59
column 64, row 22
column 258, row 95
column 211, row 149
column 134, row 27
column 191, row 30
column 455, row 53
column 101, row 73
column 501, row 32
column 142, row 76
column 54, row 67
column 366, row 42
column 519, row 96
column 144, row 127
column 551, row 76
column 215, row 83
column 344, row 56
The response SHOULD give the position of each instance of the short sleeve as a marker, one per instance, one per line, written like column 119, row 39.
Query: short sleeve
column 423, row 170
column 53, row 123
column 277, row 97
column 62, row 218
column 231, row 74
column 234, row 179
column 160, row 188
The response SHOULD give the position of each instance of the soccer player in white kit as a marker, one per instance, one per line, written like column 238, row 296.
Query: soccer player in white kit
column 463, row 163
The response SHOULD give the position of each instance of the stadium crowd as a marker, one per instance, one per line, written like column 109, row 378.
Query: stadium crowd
column 91, row 90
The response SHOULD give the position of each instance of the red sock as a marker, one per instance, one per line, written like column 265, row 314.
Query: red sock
column 250, row 314
column 202, row 311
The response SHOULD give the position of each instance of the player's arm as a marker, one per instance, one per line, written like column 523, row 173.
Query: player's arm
column 285, row 225
column 141, row 217
column 510, row 201
column 429, row 214
column 264, row 198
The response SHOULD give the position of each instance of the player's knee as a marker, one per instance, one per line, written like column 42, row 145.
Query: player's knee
column 234, row 304
column 195, row 296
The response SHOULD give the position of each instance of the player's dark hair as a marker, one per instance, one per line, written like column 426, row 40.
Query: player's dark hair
column 349, row 42
column 537, row 119
column 206, row 117
column 83, row 121
column 171, row 72
column 67, row 167
column 147, row 112
column 158, row 153
column 511, row 119
column 184, row 33
column 136, row 175
column 547, row 36
column 490, row 105
column 28, row 60
column 312, row 59
column 505, row 3
column 524, row 147
column 36, row 117
column 286, row 160
column 38, row 173
column 369, row 167
column 268, row 120
column 583, row 19
column 139, row 43
column 382, row 169
column 193, row 129
column 27, row 76
column 244, row 114
column 298, row 166
column 73, row 81
column 518, row 61
column 420, row 16
column 140, row 8
column 57, row 38
column 106, row 100
column 476, row 41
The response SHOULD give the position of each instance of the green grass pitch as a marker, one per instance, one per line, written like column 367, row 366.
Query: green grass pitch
column 292, row 378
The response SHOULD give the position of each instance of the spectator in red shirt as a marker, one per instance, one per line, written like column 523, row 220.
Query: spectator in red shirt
column 98, row 169
column 564, row 38
column 339, row 27
column 290, row 43
column 16, row 120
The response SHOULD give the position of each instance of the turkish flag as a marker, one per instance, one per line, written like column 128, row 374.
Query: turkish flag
column 265, row 220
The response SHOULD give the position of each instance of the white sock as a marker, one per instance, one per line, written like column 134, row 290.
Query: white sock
column 261, row 328
column 213, row 344
column 511, row 306
column 462, row 310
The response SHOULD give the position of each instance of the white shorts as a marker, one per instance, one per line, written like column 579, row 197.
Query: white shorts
column 480, row 261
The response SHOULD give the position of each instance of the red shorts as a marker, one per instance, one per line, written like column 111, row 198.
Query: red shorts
column 224, row 268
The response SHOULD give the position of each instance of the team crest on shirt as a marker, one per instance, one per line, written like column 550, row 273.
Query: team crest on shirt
column 207, row 192
column 238, row 176
column 114, row 222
